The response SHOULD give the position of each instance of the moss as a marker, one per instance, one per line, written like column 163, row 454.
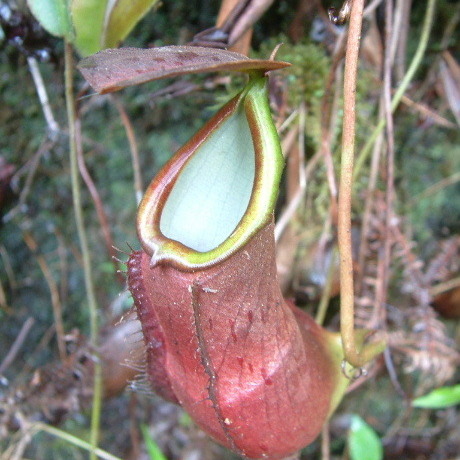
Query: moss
column 305, row 79
column 427, row 157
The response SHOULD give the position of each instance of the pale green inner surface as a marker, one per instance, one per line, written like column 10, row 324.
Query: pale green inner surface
column 213, row 190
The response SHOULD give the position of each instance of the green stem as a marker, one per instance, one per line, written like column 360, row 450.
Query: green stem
column 416, row 60
column 435, row 188
column 78, row 211
column 73, row 440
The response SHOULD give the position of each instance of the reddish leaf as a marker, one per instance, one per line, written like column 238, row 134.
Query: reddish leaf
column 113, row 69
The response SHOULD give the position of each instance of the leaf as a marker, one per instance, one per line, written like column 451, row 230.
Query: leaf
column 121, row 17
column 153, row 451
column 439, row 398
column 113, row 69
column 53, row 15
column 363, row 441
column 101, row 24
column 88, row 20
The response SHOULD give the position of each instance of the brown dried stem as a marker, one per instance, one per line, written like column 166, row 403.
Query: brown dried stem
column 384, row 258
column 227, row 7
column 328, row 105
column 368, row 207
column 294, row 203
column 325, row 443
column 445, row 286
column 43, row 96
column 17, row 344
column 31, row 168
column 54, row 291
column 400, row 39
column 327, row 128
column 100, row 211
column 416, row 61
column 138, row 187
column 5, row 258
column 3, row 301
column 354, row 355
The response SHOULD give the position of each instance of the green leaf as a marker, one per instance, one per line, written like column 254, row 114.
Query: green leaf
column 439, row 398
column 153, row 451
column 101, row 24
column 121, row 17
column 363, row 441
column 53, row 15
column 88, row 20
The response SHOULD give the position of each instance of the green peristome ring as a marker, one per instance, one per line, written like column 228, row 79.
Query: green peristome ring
column 219, row 189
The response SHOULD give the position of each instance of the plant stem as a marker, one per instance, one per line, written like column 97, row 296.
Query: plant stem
column 73, row 440
column 445, row 286
column 416, row 60
column 100, row 211
column 54, row 293
column 43, row 96
column 435, row 188
column 78, row 211
column 17, row 344
column 356, row 357
column 326, row 295
column 138, row 187
column 326, row 442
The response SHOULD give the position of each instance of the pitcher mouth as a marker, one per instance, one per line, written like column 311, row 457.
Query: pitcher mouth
column 218, row 190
